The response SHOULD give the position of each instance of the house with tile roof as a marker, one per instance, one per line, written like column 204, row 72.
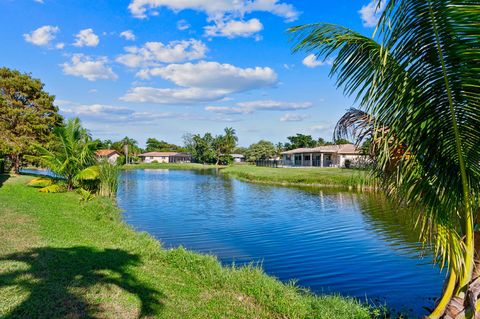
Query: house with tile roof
column 110, row 155
column 323, row 156
column 165, row 157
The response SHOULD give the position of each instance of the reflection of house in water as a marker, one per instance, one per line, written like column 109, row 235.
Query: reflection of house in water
column 323, row 156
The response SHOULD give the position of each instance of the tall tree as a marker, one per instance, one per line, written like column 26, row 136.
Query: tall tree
column 418, row 80
column 261, row 150
column 27, row 114
column 299, row 141
column 154, row 145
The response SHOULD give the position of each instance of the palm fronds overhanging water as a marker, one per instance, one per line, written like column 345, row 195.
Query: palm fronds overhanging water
column 417, row 80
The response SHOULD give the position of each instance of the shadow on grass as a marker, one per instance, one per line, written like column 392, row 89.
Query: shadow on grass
column 3, row 178
column 52, row 273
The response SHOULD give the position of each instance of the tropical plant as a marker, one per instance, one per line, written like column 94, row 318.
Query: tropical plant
column 72, row 155
column 108, row 179
column 27, row 115
column 418, row 80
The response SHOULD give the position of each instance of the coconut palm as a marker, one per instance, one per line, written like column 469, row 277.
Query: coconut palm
column 73, row 156
column 418, row 80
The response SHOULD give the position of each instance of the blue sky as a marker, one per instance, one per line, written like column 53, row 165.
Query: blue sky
column 162, row 68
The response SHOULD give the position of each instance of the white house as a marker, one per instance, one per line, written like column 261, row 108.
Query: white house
column 324, row 156
column 165, row 157
column 110, row 155
column 238, row 158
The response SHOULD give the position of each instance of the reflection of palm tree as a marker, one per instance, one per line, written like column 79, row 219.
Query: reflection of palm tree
column 420, row 80
column 54, row 273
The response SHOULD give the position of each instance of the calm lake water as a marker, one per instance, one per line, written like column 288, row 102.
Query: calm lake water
column 330, row 242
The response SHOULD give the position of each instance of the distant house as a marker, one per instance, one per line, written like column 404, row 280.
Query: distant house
column 238, row 158
column 324, row 156
column 110, row 155
column 165, row 157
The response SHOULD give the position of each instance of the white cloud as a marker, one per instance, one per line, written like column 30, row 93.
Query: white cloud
column 215, row 10
column 216, row 76
column 263, row 105
column 371, row 12
column 234, row 28
column 183, row 25
column 312, row 62
column 41, row 36
column 227, row 110
column 89, row 68
column 60, row 45
column 102, row 114
column 201, row 82
column 153, row 53
column 272, row 105
column 171, row 96
column 39, row 1
column 87, row 38
column 128, row 35
column 289, row 117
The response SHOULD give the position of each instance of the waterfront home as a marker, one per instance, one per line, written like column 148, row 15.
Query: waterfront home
column 344, row 155
column 109, row 155
column 165, row 157
column 238, row 158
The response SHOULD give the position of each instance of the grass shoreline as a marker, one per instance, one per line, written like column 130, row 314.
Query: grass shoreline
column 63, row 258
column 303, row 177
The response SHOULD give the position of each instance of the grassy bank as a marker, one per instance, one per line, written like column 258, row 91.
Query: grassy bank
column 322, row 177
column 182, row 166
column 61, row 258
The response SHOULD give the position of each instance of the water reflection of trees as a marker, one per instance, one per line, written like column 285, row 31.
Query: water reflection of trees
column 396, row 223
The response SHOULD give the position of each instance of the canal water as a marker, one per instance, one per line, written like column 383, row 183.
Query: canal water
column 349, row 243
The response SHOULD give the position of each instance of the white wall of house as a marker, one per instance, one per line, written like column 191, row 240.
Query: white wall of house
column 158, row 159
column 329, row 159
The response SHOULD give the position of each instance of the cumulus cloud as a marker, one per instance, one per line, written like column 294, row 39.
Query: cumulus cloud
column 215, row 10
column 272, row 105
column 227, row 15
column 200, row 82
column 234, row 28
column 60, row 45
column 153, row 53
column 312, row 62
column 227, row 110
column 183, row 25
column 41, row 36
column 128, row 35
column 371, row 12
column 89, row 68
column 171, row 96
column 290, row 117
column 87, row 38
column 263, row 105
column 108, row 113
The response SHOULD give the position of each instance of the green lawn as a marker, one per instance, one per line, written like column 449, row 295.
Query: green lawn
column 329, row 177
column 60, row 258
column 169, row 166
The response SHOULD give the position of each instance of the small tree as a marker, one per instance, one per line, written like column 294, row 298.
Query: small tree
column 72, row 152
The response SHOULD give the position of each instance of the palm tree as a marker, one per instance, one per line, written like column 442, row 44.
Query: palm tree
column 73, row 154
column 418, row 80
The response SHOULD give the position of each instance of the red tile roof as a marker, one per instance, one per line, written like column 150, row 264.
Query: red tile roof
column 106, row 152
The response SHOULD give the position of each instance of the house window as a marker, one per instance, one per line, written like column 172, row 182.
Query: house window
column 151, row 157
column 306, row 157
